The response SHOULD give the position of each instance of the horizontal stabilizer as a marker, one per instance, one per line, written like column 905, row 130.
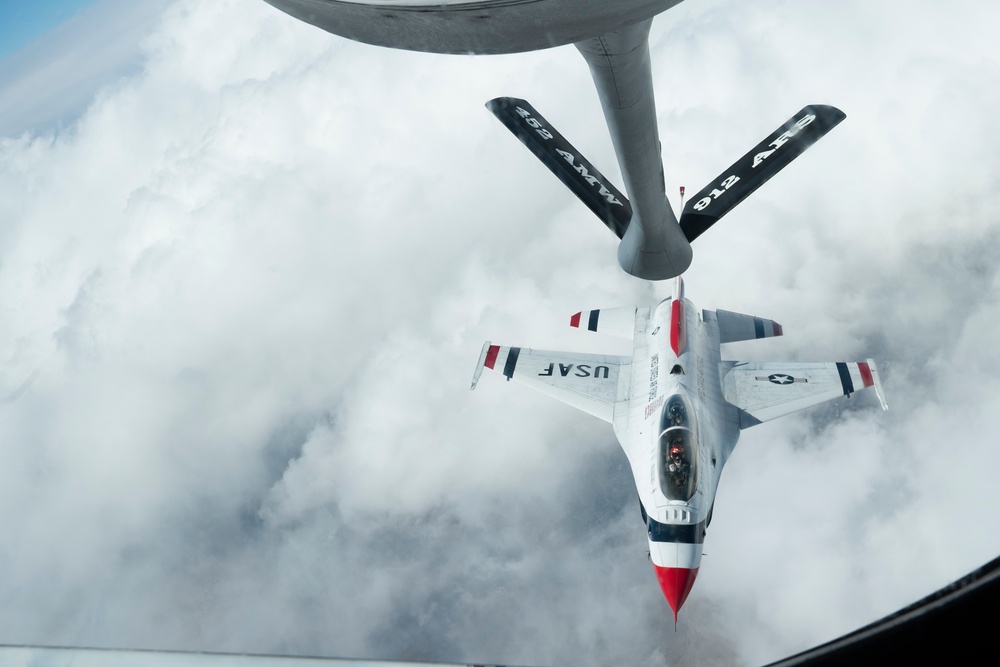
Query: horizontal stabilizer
column 737, row 326
column 563, row 160
column 755, row 168
column 592, row 383
column 611, row 321
column 764, row 390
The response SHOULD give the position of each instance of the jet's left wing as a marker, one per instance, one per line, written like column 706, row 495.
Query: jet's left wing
column 764, row 391
column 589, row 382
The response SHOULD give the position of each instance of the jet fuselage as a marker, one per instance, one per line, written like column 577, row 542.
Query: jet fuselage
column 676, row 404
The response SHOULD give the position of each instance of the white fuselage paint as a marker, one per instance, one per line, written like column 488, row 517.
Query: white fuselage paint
column 637, row 420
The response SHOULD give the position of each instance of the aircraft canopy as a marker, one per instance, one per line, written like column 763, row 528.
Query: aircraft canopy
column 677, row 450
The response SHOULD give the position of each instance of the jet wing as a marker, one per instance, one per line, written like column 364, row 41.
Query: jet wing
column 764, row 391
column 589, row 382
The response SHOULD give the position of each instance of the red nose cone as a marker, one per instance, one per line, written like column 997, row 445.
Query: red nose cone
column 676, row 583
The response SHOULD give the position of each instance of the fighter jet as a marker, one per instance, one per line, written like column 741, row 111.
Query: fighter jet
column 613, row 38
column 677, row 408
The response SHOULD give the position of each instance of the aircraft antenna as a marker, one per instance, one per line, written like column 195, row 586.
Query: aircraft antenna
column 682, row 198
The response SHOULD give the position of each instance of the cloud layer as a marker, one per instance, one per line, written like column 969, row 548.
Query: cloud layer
column 254, row 275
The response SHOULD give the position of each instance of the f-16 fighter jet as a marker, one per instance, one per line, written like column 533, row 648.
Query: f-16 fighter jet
column 677, row 408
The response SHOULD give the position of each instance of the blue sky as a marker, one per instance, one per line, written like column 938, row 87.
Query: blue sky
column 55, row 60
column 21, row 22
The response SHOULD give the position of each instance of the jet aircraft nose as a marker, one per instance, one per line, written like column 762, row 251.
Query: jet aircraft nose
column 676, row 583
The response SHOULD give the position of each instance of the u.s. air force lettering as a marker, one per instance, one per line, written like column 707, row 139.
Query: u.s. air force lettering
column 582, row 370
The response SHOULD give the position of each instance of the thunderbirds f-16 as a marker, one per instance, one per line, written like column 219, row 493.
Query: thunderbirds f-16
column 677, row 408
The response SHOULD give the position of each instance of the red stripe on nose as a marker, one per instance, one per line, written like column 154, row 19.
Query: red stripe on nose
column 575, row 320
column 676, row 583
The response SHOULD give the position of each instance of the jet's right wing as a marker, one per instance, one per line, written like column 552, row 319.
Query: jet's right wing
column 764, row 390
column 589, row 382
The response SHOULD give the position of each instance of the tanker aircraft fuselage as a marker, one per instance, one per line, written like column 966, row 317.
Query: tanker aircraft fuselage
column 613, row 38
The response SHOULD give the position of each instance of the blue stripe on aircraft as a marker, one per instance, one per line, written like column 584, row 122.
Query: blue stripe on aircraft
column 668, row 532
column 845, row 378
column 508, row 367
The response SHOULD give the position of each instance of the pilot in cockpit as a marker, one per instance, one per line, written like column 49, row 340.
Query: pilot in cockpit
column 676, row 457
column 675, row 415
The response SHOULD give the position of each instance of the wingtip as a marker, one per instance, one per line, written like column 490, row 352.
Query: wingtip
column 879, row 391
column 480, row 365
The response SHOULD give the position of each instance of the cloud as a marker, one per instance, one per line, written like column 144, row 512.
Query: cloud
column 254, row 273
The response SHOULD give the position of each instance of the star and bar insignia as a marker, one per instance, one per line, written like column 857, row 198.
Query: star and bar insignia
column 781, row 378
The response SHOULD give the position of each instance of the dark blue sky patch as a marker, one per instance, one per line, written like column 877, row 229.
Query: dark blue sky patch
column 21, row 22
